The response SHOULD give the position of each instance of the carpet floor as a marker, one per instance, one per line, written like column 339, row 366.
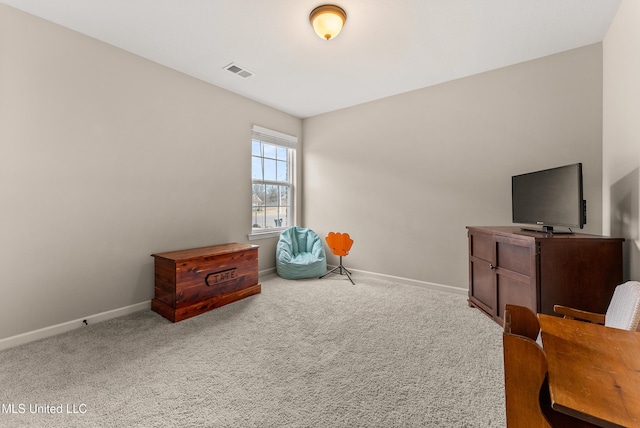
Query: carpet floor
column 307, row 353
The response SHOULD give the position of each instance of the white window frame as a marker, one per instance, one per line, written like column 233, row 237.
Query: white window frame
column 269, row 136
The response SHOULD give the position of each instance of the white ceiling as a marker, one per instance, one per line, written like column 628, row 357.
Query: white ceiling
column 386, row 47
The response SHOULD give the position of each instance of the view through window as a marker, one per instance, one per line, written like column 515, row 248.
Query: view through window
column 271, row 180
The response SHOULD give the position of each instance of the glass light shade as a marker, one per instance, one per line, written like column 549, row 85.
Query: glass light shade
column 327, row 20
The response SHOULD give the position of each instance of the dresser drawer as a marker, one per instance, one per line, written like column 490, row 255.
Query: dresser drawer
column 482, row 246
column 515, row 256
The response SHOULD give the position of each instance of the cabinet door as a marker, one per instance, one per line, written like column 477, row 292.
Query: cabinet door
column 513, row 290
column 581, row 273
column 482, row 288
column 515, row 274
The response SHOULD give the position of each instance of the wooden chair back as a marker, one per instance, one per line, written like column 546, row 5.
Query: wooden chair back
column 528, row 404
column 525, row 370
column 521, row 321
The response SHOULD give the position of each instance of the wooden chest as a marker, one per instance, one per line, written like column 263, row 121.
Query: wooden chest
column 190, row 282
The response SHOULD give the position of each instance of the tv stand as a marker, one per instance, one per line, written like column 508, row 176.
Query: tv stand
column 508, row 265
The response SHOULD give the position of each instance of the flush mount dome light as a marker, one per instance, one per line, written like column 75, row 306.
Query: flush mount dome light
column 327, row 20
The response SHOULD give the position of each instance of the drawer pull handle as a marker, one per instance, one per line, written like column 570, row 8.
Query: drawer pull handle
column 491, row 266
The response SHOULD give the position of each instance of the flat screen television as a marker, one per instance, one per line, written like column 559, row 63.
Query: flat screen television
column 548, row 198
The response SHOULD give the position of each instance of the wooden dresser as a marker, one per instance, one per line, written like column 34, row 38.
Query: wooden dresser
column 190, row 282
column 537, row 270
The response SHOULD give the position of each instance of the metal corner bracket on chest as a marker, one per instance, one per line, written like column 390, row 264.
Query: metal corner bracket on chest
column 193, row 281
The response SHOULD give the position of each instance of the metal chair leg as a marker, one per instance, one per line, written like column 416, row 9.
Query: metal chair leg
column 331, row 271
column 341, row 271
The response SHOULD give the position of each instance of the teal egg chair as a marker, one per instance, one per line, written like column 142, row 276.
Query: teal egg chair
column 300, row 254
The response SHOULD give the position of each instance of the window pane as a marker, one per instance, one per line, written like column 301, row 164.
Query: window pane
column 258, row 217
column 269, row 151
column 256, row 168
column 284, row 196
column 257, row 206
column 257, row 198
column 283, row 217
column 282, row 171
column 272, row 196
column 255, row 148
column 270, row 169
column 282, row 153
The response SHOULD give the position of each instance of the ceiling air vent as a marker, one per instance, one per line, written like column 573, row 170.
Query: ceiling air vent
column 237, row 70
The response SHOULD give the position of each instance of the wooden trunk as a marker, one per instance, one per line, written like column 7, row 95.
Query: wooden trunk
column 190, row 282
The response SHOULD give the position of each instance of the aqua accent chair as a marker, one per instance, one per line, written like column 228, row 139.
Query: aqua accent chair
column 300, row 254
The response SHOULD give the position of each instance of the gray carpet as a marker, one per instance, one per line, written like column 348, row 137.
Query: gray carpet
column 310, row 353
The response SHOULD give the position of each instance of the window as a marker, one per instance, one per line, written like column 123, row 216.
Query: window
column 272, row 181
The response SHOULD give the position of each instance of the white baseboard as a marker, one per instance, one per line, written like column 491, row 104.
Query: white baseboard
column 53, row 330
column 408, row 281
column 266, row 272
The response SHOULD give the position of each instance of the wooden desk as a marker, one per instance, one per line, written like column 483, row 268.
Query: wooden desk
column 594, row 371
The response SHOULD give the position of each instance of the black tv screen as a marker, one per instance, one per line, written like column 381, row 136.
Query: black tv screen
column 551, row 197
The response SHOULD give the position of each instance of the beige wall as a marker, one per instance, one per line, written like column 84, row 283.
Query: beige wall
column 106, row 158
column 404, row 175
column 621, row 132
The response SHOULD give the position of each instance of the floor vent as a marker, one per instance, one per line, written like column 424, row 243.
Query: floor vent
column 237, row 70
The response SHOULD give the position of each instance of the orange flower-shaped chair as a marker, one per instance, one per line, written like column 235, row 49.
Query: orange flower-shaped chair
column 339, row 244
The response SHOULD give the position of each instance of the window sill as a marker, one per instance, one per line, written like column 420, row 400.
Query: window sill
column 272, row 233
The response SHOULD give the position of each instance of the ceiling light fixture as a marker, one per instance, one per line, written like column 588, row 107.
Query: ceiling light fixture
column 327, row 20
